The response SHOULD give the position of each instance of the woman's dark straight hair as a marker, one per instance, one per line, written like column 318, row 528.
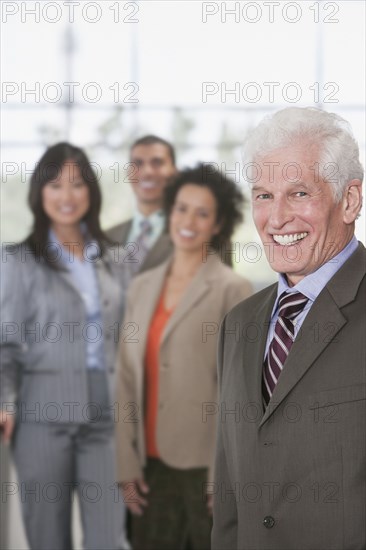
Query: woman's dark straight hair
column 49, row 168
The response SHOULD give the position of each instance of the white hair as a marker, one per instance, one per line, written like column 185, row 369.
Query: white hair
column 328, row 132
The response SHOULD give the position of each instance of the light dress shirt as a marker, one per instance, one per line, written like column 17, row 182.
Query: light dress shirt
column 85, row 280
column 310, row 286
column 157, row 222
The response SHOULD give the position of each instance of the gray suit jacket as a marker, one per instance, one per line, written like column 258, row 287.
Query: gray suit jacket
column 293, row 477
column 158, row 253
column 44, row 328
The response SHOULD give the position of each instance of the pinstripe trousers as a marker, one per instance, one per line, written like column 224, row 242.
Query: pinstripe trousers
column 56, row 461
column 53, row 463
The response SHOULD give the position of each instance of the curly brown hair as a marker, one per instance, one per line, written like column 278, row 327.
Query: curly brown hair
column 229, row 199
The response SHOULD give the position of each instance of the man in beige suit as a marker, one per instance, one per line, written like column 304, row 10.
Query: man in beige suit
column 143, row 237
column 290, row 459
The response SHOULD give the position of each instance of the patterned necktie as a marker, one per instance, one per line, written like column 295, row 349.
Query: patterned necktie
column 141, row 248
column 289, row 307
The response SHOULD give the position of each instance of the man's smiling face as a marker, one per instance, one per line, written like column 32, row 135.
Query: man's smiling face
column 295, row 213
column 150, row 170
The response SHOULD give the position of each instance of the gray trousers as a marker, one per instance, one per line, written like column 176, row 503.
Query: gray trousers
column 53, row 461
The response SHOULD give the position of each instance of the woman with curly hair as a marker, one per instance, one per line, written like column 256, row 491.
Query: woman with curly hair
column 168, row 383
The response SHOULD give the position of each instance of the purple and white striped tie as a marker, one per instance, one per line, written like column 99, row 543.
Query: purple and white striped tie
column 289, row 307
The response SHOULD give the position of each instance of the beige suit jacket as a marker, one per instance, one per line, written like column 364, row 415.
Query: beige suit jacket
column 187, row 376
column 293, row 477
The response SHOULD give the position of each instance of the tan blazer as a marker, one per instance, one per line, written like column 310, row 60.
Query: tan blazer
column 188, row 382
column 293, row 477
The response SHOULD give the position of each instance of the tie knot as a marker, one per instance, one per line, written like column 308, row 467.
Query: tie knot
column 145, row 227
column 290, row 305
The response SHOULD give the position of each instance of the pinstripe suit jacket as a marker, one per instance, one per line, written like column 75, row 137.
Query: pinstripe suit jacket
column 44, row 332
column 292, row 477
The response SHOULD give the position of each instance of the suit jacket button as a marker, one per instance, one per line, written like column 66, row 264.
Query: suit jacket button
column 268, row 522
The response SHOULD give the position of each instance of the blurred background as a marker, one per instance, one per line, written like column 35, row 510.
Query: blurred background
column 199, row 74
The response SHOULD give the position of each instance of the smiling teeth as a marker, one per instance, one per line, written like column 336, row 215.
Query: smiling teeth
column 187, row 233
column 147, row 184
column 287, row 240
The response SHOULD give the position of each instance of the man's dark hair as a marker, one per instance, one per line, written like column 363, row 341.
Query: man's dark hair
column 151, row 140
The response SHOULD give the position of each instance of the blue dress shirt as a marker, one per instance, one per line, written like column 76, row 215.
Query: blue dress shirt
column 86, row 282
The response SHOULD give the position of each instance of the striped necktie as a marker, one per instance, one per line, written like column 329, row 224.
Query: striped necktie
column 142, row 241
column 141, row 251
column 289, row 307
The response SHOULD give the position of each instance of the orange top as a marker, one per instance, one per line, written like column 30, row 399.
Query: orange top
column 157, row 325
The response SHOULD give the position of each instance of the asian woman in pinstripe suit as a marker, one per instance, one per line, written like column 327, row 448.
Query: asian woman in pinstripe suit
column 61, row 303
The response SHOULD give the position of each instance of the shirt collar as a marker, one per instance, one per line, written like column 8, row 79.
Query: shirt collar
column 156, row 219
column 153, row 217
column 93, row 248
column 312, row 285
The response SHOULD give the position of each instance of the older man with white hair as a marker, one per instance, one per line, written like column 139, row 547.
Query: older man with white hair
column 290, row 463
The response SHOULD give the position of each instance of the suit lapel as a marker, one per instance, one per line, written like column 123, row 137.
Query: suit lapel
column 313, row 338
column 124, row 232
column 194, row 293
column 105, row 284
column 67, row 277
column 158, row 253
column 254, row 367
column 145, row 309
column 314, row 335
column 108, row 288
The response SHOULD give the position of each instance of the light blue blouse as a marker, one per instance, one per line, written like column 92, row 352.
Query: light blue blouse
column 85, row 280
